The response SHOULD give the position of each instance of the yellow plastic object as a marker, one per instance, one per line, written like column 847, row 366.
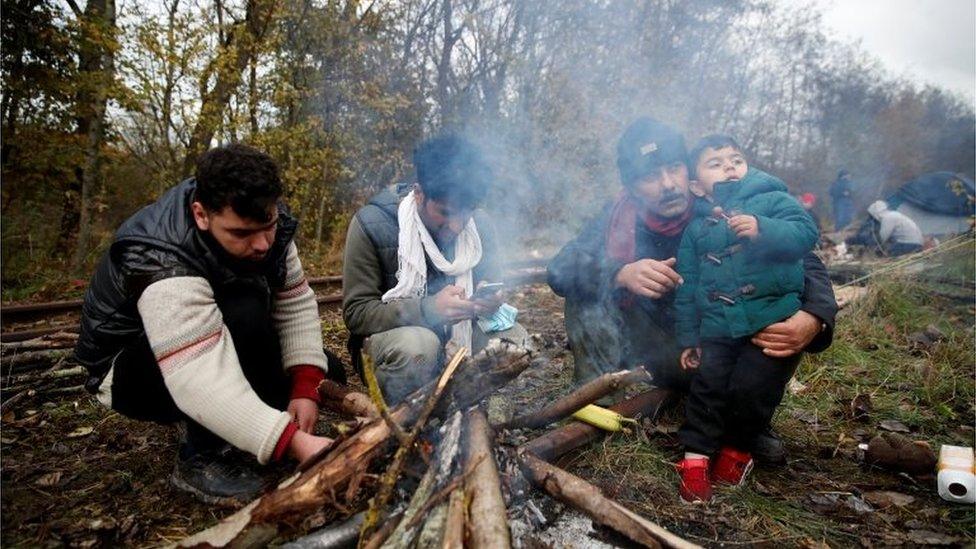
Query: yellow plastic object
column 602, row 418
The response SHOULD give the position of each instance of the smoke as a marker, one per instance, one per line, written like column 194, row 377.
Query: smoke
column 546, row 92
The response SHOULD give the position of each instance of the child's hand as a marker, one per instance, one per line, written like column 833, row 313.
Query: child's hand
column 744, row 226
column 691, row 358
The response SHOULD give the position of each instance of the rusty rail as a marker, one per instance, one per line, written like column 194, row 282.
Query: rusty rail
column 517, row 277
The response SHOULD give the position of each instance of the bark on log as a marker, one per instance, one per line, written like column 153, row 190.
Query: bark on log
column 455, row 523
column 575, row 491
column 575, row 434
column 346, row 401
column 389, row 479
column 586, row 394
column 307, row 492
column 487, row 504
column 437, row 472
column 32, row 360
column 60, row 340
column 331, row 537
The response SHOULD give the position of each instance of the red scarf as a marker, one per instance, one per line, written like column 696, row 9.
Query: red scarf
column 622, row 229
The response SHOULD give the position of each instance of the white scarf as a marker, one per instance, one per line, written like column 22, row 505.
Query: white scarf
column 415, row 245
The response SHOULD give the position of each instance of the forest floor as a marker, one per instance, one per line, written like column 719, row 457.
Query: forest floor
column 74, row 473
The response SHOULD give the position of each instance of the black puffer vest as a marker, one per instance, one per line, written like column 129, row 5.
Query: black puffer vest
column 161, row 241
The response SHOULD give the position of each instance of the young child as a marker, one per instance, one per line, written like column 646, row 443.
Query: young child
column 741, row 263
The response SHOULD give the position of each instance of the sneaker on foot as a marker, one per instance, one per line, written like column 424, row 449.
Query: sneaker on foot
column 732, row 466
column 216, row 477
column 768, row 449
column 695, row 484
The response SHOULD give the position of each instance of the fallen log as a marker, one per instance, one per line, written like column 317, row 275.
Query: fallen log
column 571, row 489
column 34, row 378
column 59, row 340
column 306, row 492
column 487, row 504
column 344, row 400
column 575, row 434
column 32, row 360
column 24, row 335
column 331, row 537
column 586, row 394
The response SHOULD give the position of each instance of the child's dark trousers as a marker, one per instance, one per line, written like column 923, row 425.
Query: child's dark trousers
column 733, row 395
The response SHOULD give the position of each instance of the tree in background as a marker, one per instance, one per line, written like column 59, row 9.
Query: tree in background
column 111, row 111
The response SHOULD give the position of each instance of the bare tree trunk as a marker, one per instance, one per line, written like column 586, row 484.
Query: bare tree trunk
column 97, row 59
column 451, row 36
column 241, row 44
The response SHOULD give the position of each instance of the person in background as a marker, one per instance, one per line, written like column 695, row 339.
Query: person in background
column 414, row 255
column 842, row 194
column 897, row 233
column 741, row 265
column 199, row 313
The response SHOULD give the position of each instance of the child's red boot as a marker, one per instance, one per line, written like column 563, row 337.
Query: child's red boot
column 695, row 484
column 732, row 466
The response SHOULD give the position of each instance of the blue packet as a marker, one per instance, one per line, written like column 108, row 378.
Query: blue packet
column 501, row 320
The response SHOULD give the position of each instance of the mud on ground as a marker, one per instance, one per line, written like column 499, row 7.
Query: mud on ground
column 77, row 474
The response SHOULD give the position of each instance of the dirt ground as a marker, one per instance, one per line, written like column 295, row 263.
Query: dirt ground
column 76, row 474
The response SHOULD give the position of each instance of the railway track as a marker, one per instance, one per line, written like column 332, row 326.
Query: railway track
column 22, row 322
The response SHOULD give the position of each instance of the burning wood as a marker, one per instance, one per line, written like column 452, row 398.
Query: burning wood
column 304, row 493
column 439, row 504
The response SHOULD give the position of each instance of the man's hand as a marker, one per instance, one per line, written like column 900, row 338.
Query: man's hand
column 691, row 358
column 649, row 277
column 305, row 412
column 790, row 336
column 451, row 304
column 304, row 445
column 744, row 226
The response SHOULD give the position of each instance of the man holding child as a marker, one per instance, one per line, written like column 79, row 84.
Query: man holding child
column 620, row 274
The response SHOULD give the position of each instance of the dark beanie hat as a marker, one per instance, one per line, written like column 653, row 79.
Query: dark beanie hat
column 645, row 146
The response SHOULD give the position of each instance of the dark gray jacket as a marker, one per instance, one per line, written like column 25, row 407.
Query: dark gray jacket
column 370, row 264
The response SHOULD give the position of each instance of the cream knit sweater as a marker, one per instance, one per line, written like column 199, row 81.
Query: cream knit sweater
column 199, row 364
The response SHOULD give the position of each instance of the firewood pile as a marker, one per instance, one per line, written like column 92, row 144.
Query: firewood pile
column 432, row 463
column 43, row 365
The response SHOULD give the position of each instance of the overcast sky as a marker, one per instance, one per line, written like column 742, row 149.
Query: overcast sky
column 928, row 41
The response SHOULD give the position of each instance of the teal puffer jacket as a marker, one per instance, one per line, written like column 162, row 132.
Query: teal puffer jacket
column 736, row 287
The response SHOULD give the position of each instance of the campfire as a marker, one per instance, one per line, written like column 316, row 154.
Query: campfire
column 439, row 482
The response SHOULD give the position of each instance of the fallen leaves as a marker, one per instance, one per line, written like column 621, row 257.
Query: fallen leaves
column 884, row 499
column 81, row 432
column 50, row 479
column 894, row 426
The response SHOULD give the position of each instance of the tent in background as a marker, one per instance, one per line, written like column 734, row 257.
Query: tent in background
column 940, row 203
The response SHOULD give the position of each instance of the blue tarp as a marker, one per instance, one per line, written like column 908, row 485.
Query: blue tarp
column 943, row 193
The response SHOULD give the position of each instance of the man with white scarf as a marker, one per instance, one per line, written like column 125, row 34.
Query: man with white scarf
column 414, row 255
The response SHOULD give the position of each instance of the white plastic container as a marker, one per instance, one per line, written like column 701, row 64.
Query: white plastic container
column 957, row 474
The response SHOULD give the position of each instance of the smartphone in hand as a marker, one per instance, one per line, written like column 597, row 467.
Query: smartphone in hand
column 487, row 291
